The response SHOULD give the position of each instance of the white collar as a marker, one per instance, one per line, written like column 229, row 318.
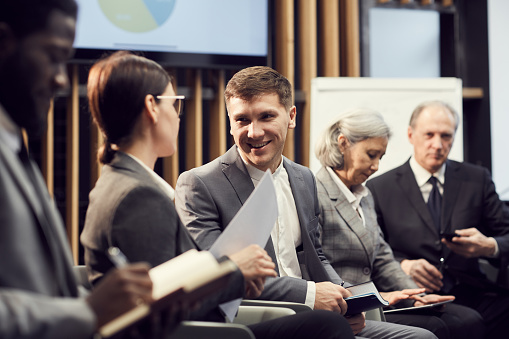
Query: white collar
column 422, row 175
column 160, row 181
column 10, row 133
column 257, row 174
column 353, row 196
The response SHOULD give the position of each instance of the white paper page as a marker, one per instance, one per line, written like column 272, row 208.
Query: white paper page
column 251, row 225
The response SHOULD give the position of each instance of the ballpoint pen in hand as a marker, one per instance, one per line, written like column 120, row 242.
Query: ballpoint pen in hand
column 117, row 257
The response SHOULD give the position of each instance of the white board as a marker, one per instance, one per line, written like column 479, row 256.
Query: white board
column 395, row 99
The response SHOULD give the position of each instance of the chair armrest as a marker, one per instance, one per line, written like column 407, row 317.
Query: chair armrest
column 248, row 315
column 210, row 330
column 375, row 314
column 297, row 307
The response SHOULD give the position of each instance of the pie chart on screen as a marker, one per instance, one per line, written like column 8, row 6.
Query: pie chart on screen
column 137, row 16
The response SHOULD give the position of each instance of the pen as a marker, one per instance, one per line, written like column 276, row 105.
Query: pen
column 117, row 257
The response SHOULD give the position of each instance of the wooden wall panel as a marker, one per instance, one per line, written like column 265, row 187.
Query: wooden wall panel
column 307, row 68
column 48, row 153
column 72, row 170
column 218, row 117
column 285, row 55
column 350, row 43
column 194, row 121
column 329, row 38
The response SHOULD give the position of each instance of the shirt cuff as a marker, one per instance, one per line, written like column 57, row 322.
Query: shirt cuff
column 497, row 250
column 311, row 295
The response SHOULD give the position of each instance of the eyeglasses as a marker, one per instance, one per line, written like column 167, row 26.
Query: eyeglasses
column 178, row 104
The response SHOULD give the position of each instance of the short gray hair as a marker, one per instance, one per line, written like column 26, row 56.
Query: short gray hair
column 356, row 125
column 437, row 103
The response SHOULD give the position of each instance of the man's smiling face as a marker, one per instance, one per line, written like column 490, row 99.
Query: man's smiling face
column 259, row 127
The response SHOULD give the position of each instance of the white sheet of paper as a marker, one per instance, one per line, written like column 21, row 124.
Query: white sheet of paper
column 251, row 225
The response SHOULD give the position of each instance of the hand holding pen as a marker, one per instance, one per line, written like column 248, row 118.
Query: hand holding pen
column 120, row 290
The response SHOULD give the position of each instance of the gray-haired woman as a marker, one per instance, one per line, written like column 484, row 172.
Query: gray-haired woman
column 350, row 151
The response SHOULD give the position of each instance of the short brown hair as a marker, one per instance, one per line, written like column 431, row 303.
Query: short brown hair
column 259, row 80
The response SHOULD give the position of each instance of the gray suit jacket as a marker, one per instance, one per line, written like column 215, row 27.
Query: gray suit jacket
column 469, row 200
column 208, row 197
column 358, row 253
column 38, row 293
column 129, row 210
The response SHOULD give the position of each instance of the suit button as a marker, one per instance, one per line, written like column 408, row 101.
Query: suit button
column 366, row 270
column 438, row 243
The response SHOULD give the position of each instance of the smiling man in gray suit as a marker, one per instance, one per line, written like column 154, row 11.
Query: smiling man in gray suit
column 259, row 103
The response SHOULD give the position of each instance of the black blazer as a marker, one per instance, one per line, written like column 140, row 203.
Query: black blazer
column 469, row 200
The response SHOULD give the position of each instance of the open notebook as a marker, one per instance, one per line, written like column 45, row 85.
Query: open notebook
column 190, row 276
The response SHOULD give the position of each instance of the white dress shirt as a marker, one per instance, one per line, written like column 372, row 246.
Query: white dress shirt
column 354, row 196
column 157, row 179
column 286, row 234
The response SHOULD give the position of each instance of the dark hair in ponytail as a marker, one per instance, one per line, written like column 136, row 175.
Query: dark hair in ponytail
column 117, row 87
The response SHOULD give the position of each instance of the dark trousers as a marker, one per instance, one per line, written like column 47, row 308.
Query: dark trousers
column 305, row 325
column 491, row 303
column 449, row 322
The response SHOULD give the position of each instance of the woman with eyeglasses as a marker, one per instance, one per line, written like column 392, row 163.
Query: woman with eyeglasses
column 135, row 106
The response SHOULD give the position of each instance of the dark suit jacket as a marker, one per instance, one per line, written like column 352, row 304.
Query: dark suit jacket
column 469, row 200
column 38, row 293
column 208, row 197
column 130, row 211
column 358, row 253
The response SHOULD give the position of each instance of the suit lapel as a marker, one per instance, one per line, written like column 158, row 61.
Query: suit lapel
column 236, row 173
column 305, row 205
column 451, row 188
column 33, row 188
column 406, row 180
column 345, row 210
column 18, row 172
column 301, row 196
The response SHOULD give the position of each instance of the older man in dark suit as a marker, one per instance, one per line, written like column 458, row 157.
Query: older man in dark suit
column 430, row 196
column 259, row 103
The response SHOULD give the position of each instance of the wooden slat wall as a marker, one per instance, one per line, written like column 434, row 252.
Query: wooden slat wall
column 218, row 124
column 307, row 67
column 285, row 55
column 72, row 185
column 194, row 121
column 329, row 38
column 47, row 152
column 350, row 43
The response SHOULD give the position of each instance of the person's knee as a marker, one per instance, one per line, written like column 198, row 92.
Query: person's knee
column 421, row 333
column 330, row 324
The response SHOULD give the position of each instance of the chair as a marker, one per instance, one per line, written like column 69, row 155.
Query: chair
column 297, row 307
column 248, row 315
column 376, row 314
column 210, row 330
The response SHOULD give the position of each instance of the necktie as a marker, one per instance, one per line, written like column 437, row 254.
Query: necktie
column 435, row 203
